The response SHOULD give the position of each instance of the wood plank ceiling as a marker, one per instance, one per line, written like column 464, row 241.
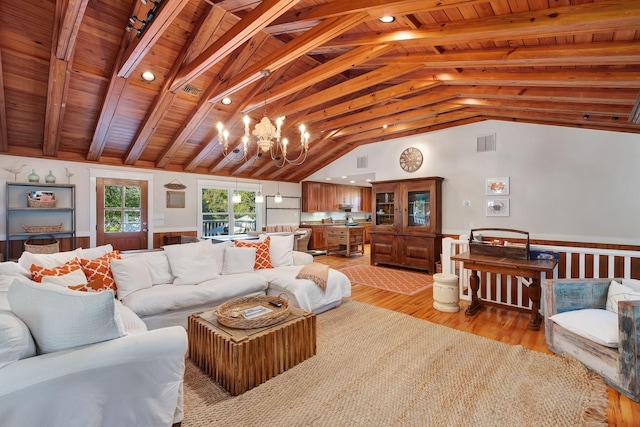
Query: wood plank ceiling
column 71, row 86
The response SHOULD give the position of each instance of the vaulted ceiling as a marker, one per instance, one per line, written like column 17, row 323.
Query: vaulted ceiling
column 71, row 86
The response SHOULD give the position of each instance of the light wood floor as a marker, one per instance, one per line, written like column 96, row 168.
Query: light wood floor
column 491, row 322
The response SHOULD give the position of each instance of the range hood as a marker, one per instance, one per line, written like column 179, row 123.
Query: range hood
column 345, row 207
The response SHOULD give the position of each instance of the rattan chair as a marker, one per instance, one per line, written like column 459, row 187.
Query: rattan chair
column 620, row 366
column 302, row 243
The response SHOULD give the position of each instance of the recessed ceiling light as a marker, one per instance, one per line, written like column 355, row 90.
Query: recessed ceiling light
column 328, row 179
column 387, row 19
column 368, row 179
column 344, row 176
column 384, row 126
column 148, row 76
column 226, row 101
column 352, row 181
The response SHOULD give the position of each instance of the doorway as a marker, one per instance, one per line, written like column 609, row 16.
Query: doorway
column 121, row 213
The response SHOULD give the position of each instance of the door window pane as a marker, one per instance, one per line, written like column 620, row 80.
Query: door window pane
column 122, row 209
column 113, row 221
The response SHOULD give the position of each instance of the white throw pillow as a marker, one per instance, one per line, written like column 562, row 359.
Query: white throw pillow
column 16, row 339
column 48, row 260
column 97, row 252
column 159, row 267
column 131, row 274
column 74, row 278
column 60, row 318
column 619, row 292
column 281, row 250
column 599, row 326
column 192, row 263
column 634, row 284
column 219, row 249
column 9, row 271
column 238, row 260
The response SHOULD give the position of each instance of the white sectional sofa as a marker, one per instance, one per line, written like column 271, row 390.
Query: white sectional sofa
column 132, row 373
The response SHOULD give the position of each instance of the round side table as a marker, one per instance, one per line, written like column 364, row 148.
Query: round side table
column 445, row 292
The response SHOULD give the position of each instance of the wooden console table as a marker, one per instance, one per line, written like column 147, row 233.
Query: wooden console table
column 509, row 266
column 345, row 240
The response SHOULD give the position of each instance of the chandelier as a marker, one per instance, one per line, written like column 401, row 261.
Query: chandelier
column 268, row 138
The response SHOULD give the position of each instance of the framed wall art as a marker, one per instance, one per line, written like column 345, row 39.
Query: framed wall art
column 497, row 207
column 175, row 199
column 497, row 186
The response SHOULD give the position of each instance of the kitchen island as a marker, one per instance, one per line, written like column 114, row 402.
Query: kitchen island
column 345, row 240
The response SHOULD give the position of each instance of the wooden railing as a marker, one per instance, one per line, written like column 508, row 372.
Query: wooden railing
column 574, row 263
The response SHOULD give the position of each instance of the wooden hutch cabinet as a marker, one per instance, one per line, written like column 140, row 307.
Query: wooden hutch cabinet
column 407, row 223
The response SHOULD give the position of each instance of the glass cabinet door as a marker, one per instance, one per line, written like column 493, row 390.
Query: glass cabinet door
column 419, row 209
column 385, row 208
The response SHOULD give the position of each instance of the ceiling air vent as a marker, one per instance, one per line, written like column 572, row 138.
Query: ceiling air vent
column 192, row 90
column 362, row 162
column 486, row 143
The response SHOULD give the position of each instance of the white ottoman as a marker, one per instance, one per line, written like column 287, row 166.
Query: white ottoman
column 445, row 292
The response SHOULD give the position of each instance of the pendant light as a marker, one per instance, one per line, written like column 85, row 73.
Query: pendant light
column 278, row 197
column 236, row 196
column 259, row 196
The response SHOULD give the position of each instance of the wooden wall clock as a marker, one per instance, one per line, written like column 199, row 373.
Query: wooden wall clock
column 411, row 159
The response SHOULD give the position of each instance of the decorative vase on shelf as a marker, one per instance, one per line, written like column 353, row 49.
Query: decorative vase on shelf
column 50, row 179
column 33, row 176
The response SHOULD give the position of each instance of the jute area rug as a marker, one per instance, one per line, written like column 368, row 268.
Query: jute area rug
column 376, row 367
column 389, row 279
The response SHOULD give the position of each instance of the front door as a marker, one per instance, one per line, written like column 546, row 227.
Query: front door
column 121, row 209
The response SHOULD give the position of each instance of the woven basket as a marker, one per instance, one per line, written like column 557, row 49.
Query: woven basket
column 42, row 228
column 33, row 203
column 230, row 313
column 43, row 245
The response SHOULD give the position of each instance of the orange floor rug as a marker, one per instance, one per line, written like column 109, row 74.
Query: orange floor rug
column 389, row 279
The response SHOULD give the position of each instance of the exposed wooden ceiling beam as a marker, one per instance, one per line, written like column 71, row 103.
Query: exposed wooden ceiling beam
column 614, row 53
column 401, row 90
column 568, row 78
column 353, row 85
column 549, row 107
column 69, row 27
column 567, row 20
column 4, row 133
column 237, row 60
column 375, row 8
column 57, row 90
column 140, row 46
column 322, row 72
column 161, row 104
column 291, row 51
column 249, row 26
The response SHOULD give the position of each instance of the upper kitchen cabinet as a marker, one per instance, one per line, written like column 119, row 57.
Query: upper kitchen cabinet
column 324, row 197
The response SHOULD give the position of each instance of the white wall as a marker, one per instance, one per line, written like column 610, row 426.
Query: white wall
column 161, row 218
column 566, row 184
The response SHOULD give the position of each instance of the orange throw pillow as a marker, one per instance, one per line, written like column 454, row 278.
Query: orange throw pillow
column 263, row 259
column 100, row 268
column 94, row 286
column 38, row 272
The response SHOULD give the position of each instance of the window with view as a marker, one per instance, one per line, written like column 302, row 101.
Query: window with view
column 122, row 208
column 221, row 217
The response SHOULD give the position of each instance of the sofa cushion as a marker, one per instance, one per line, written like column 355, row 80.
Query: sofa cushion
column 619, row 292
column 192, row 263
column 130, row 275
column 634, row 284
column 16, row 339
column 159, row 267
column 219, row 249
column 60, row 318
column 97, row 252
column 599, row 326
column 164, row 298
column 100, row 269
column 238, row 260
column 11, row 269
column 48, row 260
column 38, row 272
column 263, row 259
column 281, row 250
column 131, row 323
column 70, row 280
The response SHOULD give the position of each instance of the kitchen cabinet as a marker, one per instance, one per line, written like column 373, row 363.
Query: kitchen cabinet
column 325, row 197
column 407, row 224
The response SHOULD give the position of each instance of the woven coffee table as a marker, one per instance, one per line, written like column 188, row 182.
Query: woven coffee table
column 241, row 359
